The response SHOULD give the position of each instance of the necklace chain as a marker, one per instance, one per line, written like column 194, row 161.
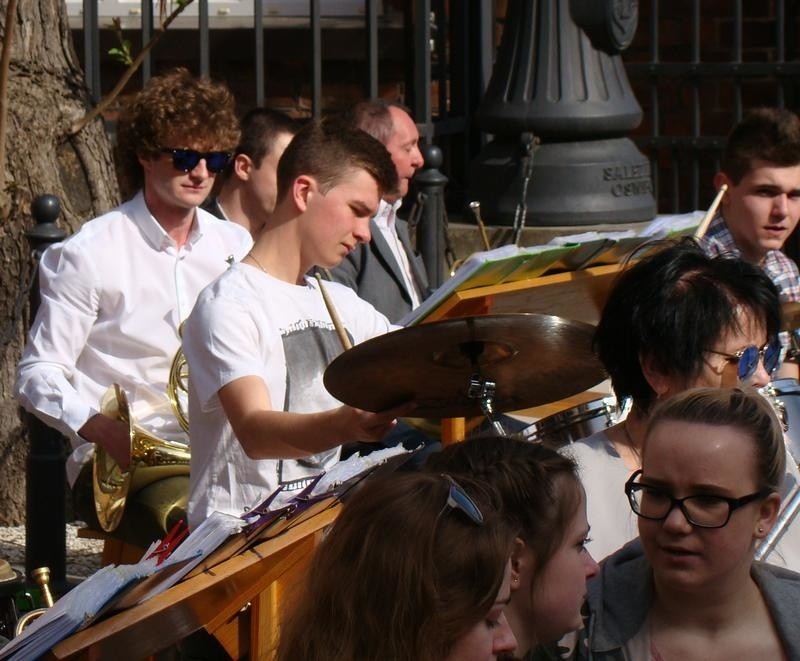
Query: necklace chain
column 634, row 448
column 257, row 263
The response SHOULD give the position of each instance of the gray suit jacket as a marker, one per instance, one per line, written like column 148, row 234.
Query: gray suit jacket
column 373, row 272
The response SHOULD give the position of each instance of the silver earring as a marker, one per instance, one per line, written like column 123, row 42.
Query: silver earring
column 760, row 529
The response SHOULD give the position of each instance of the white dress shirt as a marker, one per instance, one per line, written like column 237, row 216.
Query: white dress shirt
column 113, row 297
column 385, row 220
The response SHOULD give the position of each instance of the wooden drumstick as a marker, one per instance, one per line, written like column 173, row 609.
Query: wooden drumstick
column 703, row 226
column 337, row 322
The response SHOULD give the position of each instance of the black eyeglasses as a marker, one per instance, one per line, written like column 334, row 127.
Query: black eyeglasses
column 458, row 499
column 705, row 511
column 186, row 160
column 747, row 359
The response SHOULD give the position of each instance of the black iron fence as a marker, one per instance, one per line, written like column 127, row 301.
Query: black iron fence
column 695, row 67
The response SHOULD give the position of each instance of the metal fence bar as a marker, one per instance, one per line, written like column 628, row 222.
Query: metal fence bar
column 711, row 70
column 258, row 44
column 440, row 38
column 737, row 57
column 422, row 67
column 316, row 58
column 91, row 48
column 655, row 119
column 675, row 169
column 486, row 20
column 147, row 33
column 696, row 122
column 205, row 59
column 780, row 47
column 699, row 151
column 371, row 24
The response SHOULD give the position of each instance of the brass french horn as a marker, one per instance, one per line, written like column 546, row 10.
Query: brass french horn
column 152, row 459
column 178, row 383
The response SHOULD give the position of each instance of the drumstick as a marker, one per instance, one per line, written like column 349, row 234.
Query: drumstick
column 703, row 226
column 337, row 322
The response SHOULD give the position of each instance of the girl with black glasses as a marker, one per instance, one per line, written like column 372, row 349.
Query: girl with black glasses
column 706, row 496
column 674, row 320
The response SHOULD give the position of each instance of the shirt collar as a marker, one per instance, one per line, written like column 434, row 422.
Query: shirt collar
column 387, row 213
column 153, row 231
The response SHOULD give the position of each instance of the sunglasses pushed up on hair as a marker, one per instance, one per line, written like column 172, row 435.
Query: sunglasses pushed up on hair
column 187, row 160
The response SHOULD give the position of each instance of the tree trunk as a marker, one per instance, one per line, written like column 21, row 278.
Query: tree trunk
column 47, row 93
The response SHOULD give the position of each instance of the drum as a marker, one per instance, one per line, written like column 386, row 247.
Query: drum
column 785, row 397
column 574, row 424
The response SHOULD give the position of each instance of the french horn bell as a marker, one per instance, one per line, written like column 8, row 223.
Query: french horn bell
column 152, row 459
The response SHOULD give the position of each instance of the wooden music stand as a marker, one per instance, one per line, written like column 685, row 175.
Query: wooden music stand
column 578, row 295
column 241, row 602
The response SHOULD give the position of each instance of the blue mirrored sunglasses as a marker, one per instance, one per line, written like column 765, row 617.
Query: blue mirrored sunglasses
column 186, row 160
column 458, row 499
column 747, row 359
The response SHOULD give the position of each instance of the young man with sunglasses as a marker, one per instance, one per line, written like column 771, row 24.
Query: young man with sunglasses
column 261, row 336
column 249, row 183
column 114, row 295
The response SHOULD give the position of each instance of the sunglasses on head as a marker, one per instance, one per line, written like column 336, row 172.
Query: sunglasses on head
column 458, row 499
column 186, row 160
column 747, row 359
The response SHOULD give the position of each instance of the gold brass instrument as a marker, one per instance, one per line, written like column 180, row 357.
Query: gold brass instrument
column 152, row 459
column 178, row 383
column 42, row 577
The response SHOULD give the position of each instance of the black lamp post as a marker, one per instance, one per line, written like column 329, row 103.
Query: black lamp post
column 559, row 104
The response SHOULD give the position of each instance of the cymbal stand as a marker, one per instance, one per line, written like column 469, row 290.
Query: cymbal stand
column 480, row 387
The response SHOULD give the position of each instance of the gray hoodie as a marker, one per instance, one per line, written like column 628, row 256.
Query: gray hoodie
column 619, row 598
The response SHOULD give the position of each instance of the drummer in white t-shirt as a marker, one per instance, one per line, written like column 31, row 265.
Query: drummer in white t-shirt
column 260, row 337
column 674, row 320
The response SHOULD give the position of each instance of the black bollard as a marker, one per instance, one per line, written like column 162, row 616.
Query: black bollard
column 430, row 231
column 45, row 528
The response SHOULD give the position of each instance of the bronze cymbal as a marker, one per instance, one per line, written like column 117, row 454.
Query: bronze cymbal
column 533, row 359
column 790, row 315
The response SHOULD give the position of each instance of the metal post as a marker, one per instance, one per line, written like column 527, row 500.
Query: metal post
column 430, row 231
column 45, row 528
column 316, row 58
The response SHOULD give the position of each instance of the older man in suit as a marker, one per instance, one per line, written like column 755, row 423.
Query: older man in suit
column 387, row 271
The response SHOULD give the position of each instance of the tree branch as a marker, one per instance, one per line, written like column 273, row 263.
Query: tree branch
column 107, row 100
column 5, row 64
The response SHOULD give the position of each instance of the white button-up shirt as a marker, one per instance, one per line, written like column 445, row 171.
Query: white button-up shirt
column 385, row 220
column 113, row 297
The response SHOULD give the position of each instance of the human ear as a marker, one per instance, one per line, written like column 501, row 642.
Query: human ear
column 302, row 189
column 242, row 166
column 657, row 380
column 767, row 514
column 521, row 562
column 146, row 163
